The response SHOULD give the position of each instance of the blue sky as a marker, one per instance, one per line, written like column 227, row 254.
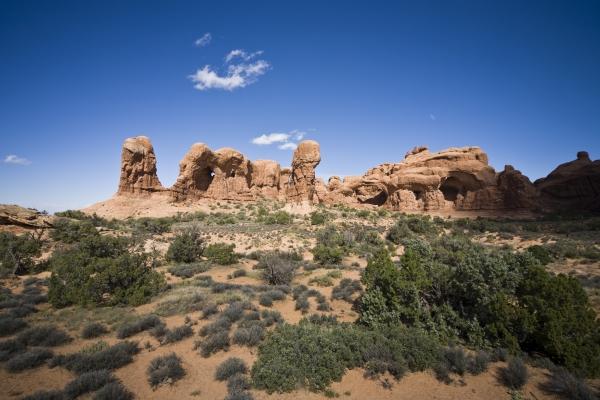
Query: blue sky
column 368, row 80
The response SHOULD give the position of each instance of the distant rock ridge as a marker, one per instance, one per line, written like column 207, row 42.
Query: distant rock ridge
column 453, row 179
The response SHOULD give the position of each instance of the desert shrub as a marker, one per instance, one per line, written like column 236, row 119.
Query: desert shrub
column 189, row 270
column 346, row 289
column 266, row 299
column 209, row 309
column 540, row 253
column 93, row 330
column 250, row 336
column 222, row 324
column 10, row 325
column 234, row 311
column 270, row 317
column 239, row 396
column 302, row 304
column 322, row 281
column 221, row 253
column 456, row 359
column 17, row 253
column 165, row 369
column 478, row 363
column 296, row 355
column 43, row 335
column 28, row 359
column 139, row 325
column 214, row 343
column 101, row 266
column 88, row 382
column 237, row 273
column 113, row 391
column 326, row 255
column 186, row 247
column 110, row 358
column 155, row 226
column 72, row 231
column 278, row 268
column 500, row 354
column 318, row 218
column 278, row 218
column 567, row 386
column 514, row 375
column 238, row 383
column 21, row 311
column 178, row 333
column 10, row 348
column 46, row 395
column 229, row 368
column 184, row 303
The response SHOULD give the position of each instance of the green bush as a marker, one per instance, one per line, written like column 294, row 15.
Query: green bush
column 540, row 253
column 318, row 218
column 101, row 271
column 325, row 255
column 278, row 218
column 17, row 253
column 70, row 232
column 189, row 270
column 165, row 369
column 186, row 247
column 221, row 253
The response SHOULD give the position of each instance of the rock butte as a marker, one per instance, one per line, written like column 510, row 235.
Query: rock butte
column 453, row 179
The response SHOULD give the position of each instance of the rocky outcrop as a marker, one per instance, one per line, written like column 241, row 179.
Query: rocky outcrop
column 302, row 181
column 138, row 167
column 452, row 179
column 24, row 217
column 573, row 186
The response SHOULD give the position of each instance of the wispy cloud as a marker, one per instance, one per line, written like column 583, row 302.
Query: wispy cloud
column 204, row 40
column 14, row 159
column 288, row 146
column 239, row 53
column 287, row 141
column 432, row 117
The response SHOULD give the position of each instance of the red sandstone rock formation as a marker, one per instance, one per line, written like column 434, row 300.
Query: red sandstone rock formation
column 572, row 186
column 302, row 181
column 452, row 179
column 138, row 167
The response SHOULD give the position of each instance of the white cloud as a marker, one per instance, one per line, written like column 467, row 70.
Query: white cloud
column 288, row 146
column 13, row 159
column 432, row 117
column 288, row 141
column 204, row 40
column 271, row 138
column 238, row 76
column 241, row 54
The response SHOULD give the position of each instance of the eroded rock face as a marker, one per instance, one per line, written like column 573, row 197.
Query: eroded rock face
column 572, row 186
column 302, row 182
column 452, row 179
column 138, row 167
column 456, row 178
column 11, row 214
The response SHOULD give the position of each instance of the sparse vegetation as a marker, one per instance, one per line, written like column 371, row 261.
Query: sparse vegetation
column 229, row 368
column 220, row 253
column 93, row 330
column 514, row 375
column 136, row 326
column 165, row 369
